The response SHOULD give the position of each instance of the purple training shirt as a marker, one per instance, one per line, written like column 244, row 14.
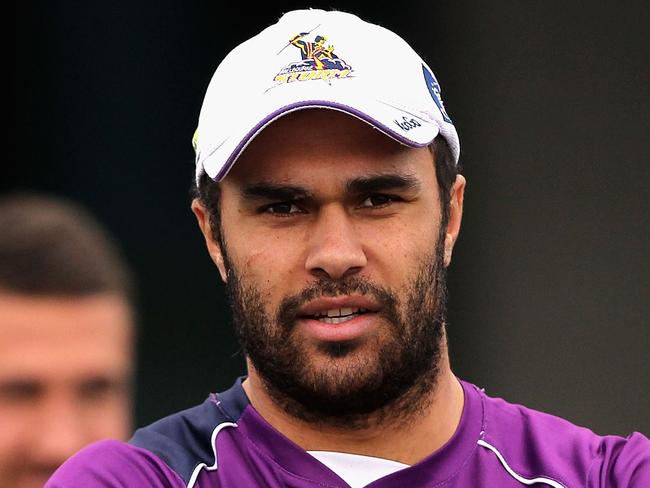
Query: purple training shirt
column 225, row 443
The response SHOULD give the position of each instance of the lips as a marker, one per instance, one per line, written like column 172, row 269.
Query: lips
column 339, row 318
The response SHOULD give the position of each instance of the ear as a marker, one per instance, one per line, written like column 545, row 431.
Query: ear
column 214, row 248
column 455, row 216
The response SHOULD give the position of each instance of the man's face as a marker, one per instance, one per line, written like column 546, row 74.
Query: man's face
column 65, row 368
column 332, row 250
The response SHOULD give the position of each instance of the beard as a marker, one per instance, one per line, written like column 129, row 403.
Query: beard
column 359, row 383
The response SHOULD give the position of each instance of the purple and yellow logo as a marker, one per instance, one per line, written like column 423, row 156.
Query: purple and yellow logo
column 318, row 61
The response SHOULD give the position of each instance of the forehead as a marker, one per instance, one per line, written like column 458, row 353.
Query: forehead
column 321, row 145
column 53, row 335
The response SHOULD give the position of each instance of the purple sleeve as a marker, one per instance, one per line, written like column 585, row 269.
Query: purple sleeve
column 622, row 462
column 112, row 464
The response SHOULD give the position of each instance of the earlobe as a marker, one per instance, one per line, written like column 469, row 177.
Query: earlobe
column 214, row 248
column 217, row 258
column 449, row 246
column 455, row 216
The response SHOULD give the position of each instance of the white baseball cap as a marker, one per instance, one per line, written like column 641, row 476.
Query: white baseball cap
column 317, row 58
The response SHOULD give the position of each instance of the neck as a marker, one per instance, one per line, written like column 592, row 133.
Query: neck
column 406, row 442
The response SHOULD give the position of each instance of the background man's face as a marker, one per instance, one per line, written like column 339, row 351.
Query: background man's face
column 321, row 205
column 65, row 367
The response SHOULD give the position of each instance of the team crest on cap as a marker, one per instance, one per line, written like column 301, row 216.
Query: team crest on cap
column 318, row 62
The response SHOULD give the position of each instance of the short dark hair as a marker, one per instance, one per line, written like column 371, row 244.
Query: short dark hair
column 208, row 192
column 52, row 246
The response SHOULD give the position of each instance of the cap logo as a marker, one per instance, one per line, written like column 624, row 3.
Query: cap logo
column 434, row 90
column 406, row 124
column 318, row 62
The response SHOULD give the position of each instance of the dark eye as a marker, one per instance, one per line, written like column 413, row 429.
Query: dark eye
column 21, row 391
column 97, row 388
column 378, row 200
column 282, row 208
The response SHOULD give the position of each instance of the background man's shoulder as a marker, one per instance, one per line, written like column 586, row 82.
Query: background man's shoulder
column 162, row 454
column 114, row 463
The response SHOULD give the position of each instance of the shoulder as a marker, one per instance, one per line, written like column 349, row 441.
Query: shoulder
column 529, row 441
column 184, row 440
column 114, row 463
column 166, row 453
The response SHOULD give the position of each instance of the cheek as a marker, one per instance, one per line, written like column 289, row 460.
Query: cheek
column 262, row 261
column 400, row 249
column 257, row 252
column 16, row 430
column 271, row 265
column 110, row 419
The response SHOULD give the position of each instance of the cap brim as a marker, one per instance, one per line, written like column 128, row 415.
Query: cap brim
column 414, row 131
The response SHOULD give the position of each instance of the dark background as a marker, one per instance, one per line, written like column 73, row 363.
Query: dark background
column 549, row 285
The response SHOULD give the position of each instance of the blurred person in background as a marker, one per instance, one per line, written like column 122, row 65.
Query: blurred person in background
column 66, row 337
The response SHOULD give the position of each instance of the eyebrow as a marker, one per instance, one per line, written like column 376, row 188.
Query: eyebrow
column 360, row 185
column 271, row 191
column 383, row 182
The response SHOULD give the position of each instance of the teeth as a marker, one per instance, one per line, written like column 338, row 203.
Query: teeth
column 338, row 315
column 336, row 320
column 338, row 312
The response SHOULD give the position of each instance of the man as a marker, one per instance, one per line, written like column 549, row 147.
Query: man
column 315, row 52
column 65, row 337
column 331, row 205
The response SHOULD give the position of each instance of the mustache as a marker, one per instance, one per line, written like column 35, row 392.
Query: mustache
column 288, row 310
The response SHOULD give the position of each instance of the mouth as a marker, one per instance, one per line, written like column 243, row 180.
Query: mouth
column 340, row 318
column 336, row 316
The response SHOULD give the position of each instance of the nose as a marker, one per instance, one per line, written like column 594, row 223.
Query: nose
column 61, row 432
column 335, row 247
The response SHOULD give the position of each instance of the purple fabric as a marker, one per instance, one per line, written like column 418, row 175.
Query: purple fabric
column 112, row 464
column 533, row 445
